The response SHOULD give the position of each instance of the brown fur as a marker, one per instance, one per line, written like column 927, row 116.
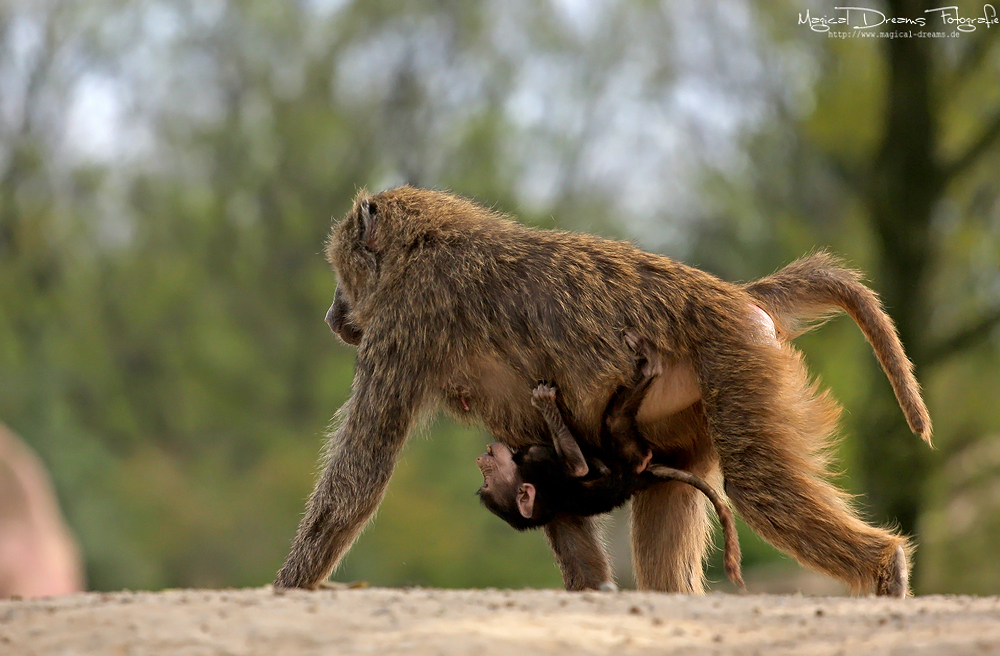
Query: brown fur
column 731, row 540
column 620, row 420
column 451, row 304
column 811, row 289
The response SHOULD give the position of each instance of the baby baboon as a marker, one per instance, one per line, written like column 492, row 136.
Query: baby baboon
column 534, row 485
column 453, row 305
column 514, row 492
column 528, row 487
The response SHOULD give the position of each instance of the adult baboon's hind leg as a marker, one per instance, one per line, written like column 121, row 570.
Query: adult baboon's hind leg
column 771, row 436
column 670, row 533
column 807, row 518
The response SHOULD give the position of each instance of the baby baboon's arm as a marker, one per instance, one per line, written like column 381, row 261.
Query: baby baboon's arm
column 543, row 397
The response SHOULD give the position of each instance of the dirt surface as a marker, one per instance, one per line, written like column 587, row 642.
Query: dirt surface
column 488, row 622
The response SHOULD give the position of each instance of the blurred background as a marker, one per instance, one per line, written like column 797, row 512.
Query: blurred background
column 169, row 170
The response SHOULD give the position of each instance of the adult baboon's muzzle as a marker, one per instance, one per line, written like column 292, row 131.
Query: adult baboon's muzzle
column 337, row 319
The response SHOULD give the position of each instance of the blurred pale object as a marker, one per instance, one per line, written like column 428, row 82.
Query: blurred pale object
column 38, row 555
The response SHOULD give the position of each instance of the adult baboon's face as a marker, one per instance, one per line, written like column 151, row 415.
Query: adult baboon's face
column 339, row 320
column 352, row 252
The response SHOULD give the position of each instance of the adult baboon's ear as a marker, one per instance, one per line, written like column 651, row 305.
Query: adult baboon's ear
column 368, row 219
column 526, row 500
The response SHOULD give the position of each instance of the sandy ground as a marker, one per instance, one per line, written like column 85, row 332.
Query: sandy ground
column 487, row 622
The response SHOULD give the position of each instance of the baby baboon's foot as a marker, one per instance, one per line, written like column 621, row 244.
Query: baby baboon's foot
column 543, row 396
column 893, row 583
column 649, row 361
column 634, row 341
column 646, row 459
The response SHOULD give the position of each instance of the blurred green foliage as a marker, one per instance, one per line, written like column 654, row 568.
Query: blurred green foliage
column 169, row 170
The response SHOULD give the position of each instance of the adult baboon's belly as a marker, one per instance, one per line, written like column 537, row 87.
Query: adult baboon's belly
column 495, row 394
column 674, row 390
column 677, row 387
column 498, row 395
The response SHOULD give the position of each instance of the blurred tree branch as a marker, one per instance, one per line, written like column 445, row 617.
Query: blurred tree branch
column 963, row 339
column 973, row 56
column 988, row 137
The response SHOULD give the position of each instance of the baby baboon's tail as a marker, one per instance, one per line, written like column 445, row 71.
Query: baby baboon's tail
column 812, row 289
column 731, row 542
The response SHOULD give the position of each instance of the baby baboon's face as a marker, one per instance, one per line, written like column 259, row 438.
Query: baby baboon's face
column 500, row 473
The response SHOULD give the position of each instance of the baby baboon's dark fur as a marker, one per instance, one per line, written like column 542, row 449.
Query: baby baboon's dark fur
column 451, row 304
column 611, row 480
column 611, row 470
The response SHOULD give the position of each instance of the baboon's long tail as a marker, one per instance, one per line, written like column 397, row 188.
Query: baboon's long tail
column 731, row 542
column 817, row 286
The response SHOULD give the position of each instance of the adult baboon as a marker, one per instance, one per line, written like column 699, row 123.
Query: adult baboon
column 453, row 305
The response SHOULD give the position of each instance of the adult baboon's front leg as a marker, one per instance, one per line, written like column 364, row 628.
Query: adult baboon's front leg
column 579, row 551
column 360, row 458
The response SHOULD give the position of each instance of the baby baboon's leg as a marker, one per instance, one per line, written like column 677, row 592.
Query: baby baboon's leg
column 624, row 404
column 579, row 550
column 619, row 416
column 771, row 436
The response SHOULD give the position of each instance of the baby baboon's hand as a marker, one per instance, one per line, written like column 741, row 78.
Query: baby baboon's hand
column 543, row 396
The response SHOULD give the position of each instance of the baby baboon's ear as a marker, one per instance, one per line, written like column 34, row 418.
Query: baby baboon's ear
column 526, row 500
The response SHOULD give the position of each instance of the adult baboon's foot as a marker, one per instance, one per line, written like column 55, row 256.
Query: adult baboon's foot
column 894, row 580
